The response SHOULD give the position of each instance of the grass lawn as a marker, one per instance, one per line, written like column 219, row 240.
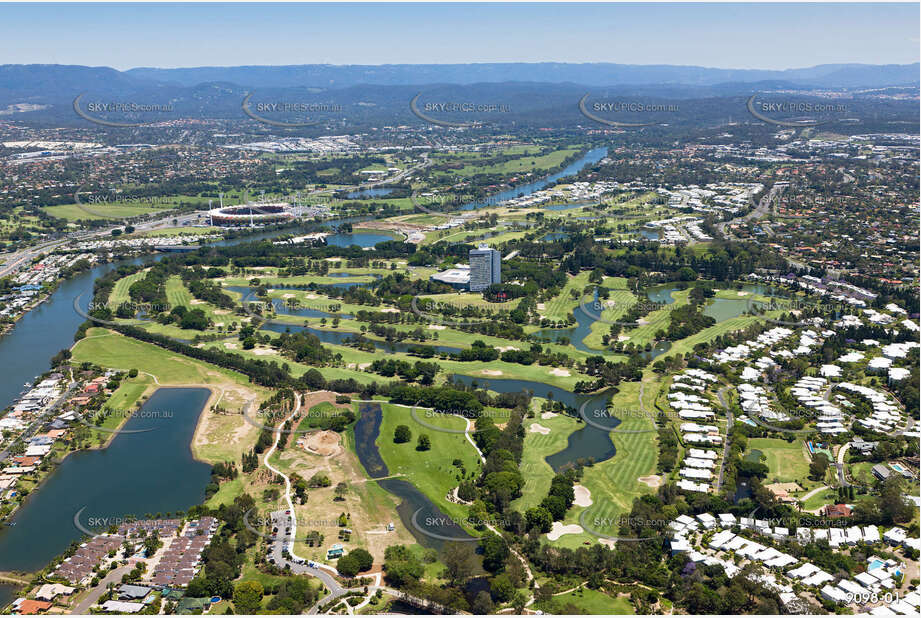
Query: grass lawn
column 786, row 461
column 590, row 601
column 432, row 471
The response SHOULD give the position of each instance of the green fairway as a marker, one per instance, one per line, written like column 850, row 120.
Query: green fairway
column 536, row 471
column 614, row 483
column 431, row 471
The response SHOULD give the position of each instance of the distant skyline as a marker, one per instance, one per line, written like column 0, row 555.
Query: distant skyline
column 732, row 36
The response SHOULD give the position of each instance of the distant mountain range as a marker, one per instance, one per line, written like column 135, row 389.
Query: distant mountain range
column 595, row 74
column 50, row 80
column 380, row 94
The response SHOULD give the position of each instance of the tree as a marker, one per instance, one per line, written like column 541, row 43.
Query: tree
column 482, row 604
column 341, row 490
column 424, row 443
column 502, row 588
column 818, row 467
column 495, row 552
column 459, row 560
column 354, row 562
column 402, row 434
column 539, row 518
column 247, row 597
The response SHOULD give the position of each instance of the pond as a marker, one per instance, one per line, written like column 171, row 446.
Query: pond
column 588, row 442
column 416, row 511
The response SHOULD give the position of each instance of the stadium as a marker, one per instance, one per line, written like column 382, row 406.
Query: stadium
column 257, row 213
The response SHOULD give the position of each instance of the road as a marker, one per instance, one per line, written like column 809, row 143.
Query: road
column 287, row 527
column 761, row 210
column 721, row 396
column 113, row 577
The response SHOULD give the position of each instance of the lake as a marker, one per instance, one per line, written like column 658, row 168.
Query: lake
column 139, row 473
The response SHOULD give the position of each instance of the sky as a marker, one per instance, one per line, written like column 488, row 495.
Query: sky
column 741, row 36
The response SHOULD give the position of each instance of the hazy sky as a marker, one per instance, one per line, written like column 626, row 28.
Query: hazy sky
column 767, row 36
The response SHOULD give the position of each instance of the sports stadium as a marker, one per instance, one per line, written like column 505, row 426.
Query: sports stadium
column 252, row 213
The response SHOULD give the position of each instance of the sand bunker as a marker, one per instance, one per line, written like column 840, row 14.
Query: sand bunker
column 563, row 373
column 583, row 496
column 363, row 365
column 507, row 348
column 652, row 480
column 263, row 352
column 323, row 443
column 196, row 301
column 623, row 338
column 491, row 372
column 742, row 293
column 559, row 530
column 546, row 415
column 230, row 346
column 538, row 428
column 390, row 310
column 287, row 295
column 221, row 311
column 608, row 542
column 437, row 327
column 541, row 306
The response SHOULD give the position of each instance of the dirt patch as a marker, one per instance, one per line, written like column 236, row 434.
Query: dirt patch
column 559, row 530
column 583, row 496
column 538, row 428
column 323, row 443
column 652, row 480
column 783, row 488
column 563, row 373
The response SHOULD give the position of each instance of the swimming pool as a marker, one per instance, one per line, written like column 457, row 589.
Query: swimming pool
column 875, row 565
